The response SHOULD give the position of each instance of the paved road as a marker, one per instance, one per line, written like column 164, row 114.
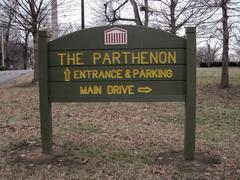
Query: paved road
column 9, row 76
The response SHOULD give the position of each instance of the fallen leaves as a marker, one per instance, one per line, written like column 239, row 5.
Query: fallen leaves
column 121, row 140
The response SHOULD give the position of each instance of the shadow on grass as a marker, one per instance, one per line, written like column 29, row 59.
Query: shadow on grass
column 72, row 155
column 203, row 160
column 84, row 153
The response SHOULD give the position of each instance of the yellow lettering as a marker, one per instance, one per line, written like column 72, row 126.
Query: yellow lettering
column 94, row 74
column 149, row 73
column 163, row 74
column 130, row 89
column 79, row 60
column 106, row 59
column 153, row 57
column 135, row 72
column 96, row 56
column 130, row 57
column 135, row 57
column 162, row 57
column 89, row 90
column 116, row 57
column 172, row 57
column 83, row 90
column 169, row 73
column 152, row 73
column 143, row 58
column 125, row 57
column 142, row 74
column 116, row 89
column 82, row 74
column 62, row 55
column 75, row 74
column 119, row 74
column 71, row 59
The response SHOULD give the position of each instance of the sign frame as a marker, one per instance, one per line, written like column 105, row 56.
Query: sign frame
column 189, row 98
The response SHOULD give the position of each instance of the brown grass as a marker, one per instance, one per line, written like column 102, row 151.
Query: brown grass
column 123, row 140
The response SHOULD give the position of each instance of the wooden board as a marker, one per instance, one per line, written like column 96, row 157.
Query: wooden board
column 138, row 37
column 121, row 91
column 117, row 73
column 117, row 57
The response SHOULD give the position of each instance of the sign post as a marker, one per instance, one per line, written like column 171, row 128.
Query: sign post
column 190, row 103
column 45, row 105
column 118, row 64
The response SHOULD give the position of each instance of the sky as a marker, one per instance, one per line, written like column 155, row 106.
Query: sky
column 70, row 12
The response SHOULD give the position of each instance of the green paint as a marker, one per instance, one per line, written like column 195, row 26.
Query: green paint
column 139, row 37
column 124, row 55
column 117, row 73
column 117, row 91
column 152, row 66
column 45, row 105
column 190, row 103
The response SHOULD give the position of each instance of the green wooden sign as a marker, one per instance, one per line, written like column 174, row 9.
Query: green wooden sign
column 118, row 64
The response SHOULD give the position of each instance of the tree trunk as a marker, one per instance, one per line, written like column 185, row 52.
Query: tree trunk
column 225, row 57
column 54, row 17
column 36, row 59
column 173, row 19
column 25, row 56
column 25, row 50
column 7, row 59
column 136, row 13
column 146, row 13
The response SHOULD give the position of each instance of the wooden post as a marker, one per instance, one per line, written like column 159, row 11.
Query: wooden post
column 190, row 103
column 45, row 105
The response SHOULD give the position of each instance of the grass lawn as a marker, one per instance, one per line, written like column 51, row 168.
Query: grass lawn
column 123, row 140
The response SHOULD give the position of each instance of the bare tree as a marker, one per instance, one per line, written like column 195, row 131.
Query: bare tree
column 222, row 28
column 145, row 8
column 54, row 19
column 8, row 16
column 225, row 54
column 25, row 46
column 66, row 28
column 172, row 15
column 113, row 11
column 29, row 15
column 208, row 53
column 136, row 13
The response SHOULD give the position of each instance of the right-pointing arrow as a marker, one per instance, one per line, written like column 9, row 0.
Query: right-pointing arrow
column 145, row 89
